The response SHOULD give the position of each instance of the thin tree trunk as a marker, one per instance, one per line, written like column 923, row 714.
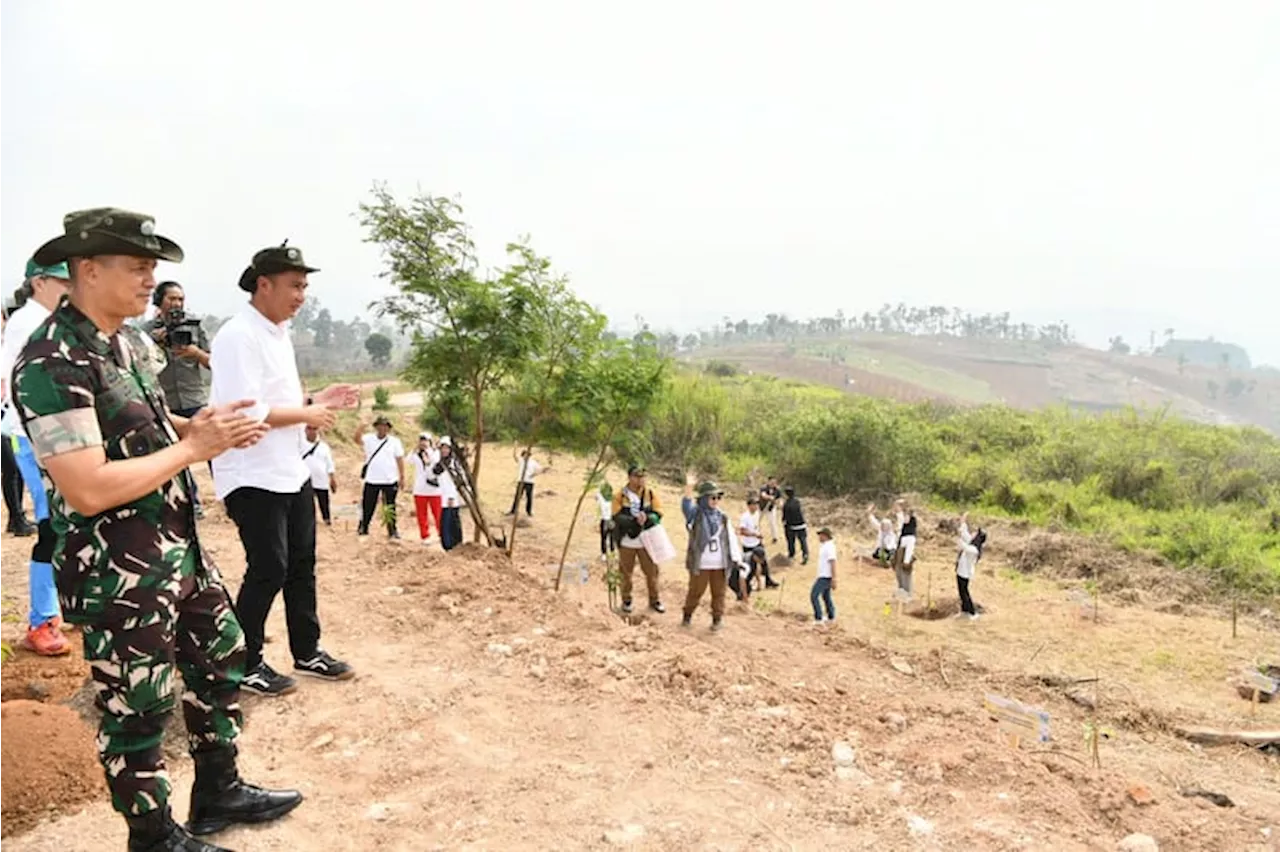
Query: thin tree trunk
column 538, row 415
column 475, row 469
column 577, row 510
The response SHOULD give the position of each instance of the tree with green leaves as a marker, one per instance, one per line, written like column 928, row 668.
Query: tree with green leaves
column 603, row 407
column 379, row 348
column 470, row 329
column 322, row 328
column 563, row 331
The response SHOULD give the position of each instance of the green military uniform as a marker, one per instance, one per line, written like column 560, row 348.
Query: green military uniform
column 134, row 576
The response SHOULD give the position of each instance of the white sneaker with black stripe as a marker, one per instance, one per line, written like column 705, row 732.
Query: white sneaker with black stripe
column 265, row 680
column 322, row 664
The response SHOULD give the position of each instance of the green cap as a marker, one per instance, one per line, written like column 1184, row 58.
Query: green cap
column 271, row 260
column 57, row 270
column 707, row 487
column 107, row 230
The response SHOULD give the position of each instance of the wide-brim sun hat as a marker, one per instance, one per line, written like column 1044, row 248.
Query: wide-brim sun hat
column 107, row 231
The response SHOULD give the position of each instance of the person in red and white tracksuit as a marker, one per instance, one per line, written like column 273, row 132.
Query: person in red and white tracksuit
column 427, row 502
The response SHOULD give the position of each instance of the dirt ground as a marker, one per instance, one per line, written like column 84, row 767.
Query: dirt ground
column 63, row 761
column 493, row 714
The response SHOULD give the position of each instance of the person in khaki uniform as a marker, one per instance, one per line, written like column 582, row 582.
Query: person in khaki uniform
column 636, row 508
column 713, row 551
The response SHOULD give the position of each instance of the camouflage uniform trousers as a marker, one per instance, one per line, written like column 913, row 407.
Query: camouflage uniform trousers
column 193, row 628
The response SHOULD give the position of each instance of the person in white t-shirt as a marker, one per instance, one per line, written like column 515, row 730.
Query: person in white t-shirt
column 383, row 472
column 970, row 547
column 527, row 471
column 750, row 532
column 44, row 287
column 604, row 502
column 825, row 583
column 426, row 486
column 319, row 459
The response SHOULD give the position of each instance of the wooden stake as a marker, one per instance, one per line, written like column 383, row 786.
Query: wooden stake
column 1235, row 608
column 1253, row 705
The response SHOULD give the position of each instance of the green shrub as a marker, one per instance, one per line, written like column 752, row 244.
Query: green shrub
column 1200, row 496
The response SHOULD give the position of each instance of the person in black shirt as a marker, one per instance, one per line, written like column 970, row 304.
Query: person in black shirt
column 797, row 530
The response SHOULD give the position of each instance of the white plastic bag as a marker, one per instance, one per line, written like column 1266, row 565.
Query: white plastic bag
column 658, row 544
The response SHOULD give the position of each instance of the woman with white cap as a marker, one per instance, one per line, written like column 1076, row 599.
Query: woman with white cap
column 426, row 486
column 451, row 520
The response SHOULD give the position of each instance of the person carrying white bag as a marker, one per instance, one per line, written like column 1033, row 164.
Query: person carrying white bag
column 637, row 516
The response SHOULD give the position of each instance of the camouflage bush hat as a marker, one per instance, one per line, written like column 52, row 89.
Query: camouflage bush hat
column 269, row 261
column 107, row 230
column 383, row 420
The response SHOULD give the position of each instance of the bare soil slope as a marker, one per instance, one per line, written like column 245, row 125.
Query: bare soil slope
column 490, row 713
column 1022, row 375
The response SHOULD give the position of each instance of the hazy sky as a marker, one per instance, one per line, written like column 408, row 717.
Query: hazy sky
column 1113, row 163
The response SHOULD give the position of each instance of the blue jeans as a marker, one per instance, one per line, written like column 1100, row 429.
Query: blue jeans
column 41, row 588
column 31, row 477
column 821, row 591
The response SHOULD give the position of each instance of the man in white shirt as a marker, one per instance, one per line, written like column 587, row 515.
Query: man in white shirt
column 319, row 459
column 528, row 470
column 825, row 583
column 266, row 488
column 383, row 472
column 44, row 287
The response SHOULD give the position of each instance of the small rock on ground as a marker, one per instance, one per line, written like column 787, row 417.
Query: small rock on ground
column 1138, row 843
column 629, row 833
column 919, row 825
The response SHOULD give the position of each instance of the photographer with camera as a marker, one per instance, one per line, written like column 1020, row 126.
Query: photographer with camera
column 181, row 338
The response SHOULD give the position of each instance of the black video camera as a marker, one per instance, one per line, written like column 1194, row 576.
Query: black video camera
column 179, row 329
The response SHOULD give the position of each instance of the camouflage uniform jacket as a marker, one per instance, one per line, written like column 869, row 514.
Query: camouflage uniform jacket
column 74, row 388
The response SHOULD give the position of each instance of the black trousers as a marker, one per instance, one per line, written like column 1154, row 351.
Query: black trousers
column 966, row 602
column 607, row 544
column 11, row 482
column 450, row 527
column 526, row 488
column 278, row 532
column 369, row 502
column 322, row 500
column 801, row 536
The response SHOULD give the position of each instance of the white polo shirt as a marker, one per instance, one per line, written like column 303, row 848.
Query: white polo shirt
column 253, row 358
column 320, row 463
column 17, row 331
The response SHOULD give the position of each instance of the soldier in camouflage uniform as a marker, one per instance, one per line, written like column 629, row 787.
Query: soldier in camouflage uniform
column 127, row 557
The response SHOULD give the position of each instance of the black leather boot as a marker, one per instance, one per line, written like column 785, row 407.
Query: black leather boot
column 157, row 832
column 219, row 798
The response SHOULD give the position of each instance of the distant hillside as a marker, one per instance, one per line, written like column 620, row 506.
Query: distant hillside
column 1206, row 353
column 1019, row 373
